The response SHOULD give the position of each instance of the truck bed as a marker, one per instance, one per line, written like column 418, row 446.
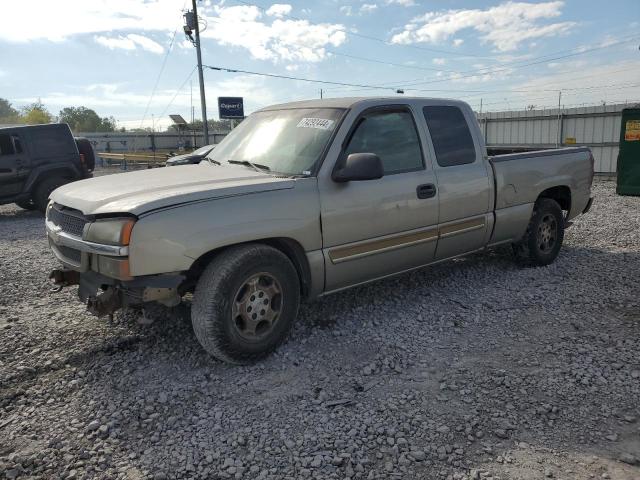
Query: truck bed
column 519, row 179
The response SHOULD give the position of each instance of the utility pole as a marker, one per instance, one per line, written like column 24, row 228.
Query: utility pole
column 196, row 42
column 559, row 129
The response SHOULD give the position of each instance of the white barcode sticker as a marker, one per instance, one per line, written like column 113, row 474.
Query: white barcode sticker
column 321, row 123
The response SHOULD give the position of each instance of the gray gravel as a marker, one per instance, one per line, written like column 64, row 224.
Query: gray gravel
column 475, row 369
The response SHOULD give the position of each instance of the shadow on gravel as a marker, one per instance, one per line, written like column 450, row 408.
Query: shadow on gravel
column 491, row 269
column 19, row 214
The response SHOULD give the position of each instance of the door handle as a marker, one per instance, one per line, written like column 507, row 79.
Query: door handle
column 428, row 190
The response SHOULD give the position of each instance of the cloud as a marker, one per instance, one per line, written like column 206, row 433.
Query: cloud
column 46, row 21
column 130, row 42
column 267, row 35
column 368, row 7
column 457, row 42
column 279, row 10
column 505, row 25
column 281, row 40
column 402, row 3
column 439, row 61
column 346, row 10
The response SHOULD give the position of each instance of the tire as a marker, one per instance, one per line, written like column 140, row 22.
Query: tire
column 542, row 242
column 228, row 312
column 85, row 148
column 26, row 204
column 44, row 189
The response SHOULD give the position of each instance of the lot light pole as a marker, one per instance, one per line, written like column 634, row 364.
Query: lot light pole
column 191, row 25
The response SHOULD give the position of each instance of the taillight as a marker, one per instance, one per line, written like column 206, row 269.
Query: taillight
column 82, row 158
column 593, row 166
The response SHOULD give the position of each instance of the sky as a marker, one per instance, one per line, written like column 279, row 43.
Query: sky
column 130, row 59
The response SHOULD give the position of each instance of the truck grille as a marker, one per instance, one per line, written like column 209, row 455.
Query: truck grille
column 69, row 220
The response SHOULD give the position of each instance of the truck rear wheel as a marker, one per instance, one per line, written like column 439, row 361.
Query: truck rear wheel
column 245, row 303
column 542, row 242
column 44, row 189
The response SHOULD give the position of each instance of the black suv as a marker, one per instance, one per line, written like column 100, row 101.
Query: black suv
column 37, row 159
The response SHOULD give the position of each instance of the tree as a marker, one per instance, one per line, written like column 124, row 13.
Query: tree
column 83, row 119
column 8, row 114
column 35, row 114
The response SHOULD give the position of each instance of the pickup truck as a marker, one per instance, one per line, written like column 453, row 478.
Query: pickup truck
column 304, row 199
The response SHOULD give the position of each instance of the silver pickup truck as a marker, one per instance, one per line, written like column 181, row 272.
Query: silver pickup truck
column 305, row 199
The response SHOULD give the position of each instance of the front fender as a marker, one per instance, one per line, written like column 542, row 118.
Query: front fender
column 170, row 240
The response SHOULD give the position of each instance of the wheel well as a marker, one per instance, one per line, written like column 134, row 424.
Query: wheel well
column 65, row 173
column 291, row 248
column 561, row 194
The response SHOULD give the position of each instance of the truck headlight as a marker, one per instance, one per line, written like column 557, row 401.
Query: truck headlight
column 110, row 231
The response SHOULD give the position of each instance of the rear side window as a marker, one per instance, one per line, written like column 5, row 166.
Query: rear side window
column 392, row 136
column 450, row 135
column 52, row 142
column 6, row 145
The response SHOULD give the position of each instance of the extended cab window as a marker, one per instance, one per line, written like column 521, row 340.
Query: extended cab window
column 450, row 135
column 392, row 136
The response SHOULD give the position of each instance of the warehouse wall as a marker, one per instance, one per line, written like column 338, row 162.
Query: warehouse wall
column 117, row 142
column 597, row 127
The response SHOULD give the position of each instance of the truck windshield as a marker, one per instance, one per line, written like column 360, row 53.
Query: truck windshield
column 284, row 141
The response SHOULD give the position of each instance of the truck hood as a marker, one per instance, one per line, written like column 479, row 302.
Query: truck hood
column 144, row 190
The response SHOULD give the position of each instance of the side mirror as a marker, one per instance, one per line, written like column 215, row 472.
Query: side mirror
column 359, row 166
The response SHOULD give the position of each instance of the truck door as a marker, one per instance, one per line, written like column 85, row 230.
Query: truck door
column 463, row 181
column 378, row 227
column 12, row 165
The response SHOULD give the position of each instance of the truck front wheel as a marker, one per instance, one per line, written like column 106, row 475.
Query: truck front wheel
column 245, row 303
column 542, row 241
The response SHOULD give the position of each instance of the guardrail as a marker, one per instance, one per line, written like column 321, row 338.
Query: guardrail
column 124, row 160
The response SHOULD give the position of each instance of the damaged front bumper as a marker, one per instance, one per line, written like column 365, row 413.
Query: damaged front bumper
column 104, row 296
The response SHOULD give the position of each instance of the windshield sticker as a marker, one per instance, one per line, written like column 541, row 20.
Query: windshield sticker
column 321, row 123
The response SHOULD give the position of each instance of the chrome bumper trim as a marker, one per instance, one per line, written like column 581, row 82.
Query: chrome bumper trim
column 59, row 237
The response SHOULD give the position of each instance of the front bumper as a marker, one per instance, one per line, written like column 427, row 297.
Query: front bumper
column 104, row 295
column 102, row 274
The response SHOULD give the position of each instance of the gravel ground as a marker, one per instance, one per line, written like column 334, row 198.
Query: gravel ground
column 467, row 370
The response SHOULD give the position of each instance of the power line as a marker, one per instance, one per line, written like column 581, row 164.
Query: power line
column 365, row 86
column 493, row 70
column 178, row 90
column 164, row 63
column 287, row 77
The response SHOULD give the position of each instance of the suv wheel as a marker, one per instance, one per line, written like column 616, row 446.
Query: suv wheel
column 245, row 303
column 26, row 204
column 541, row 244
column 44, row 189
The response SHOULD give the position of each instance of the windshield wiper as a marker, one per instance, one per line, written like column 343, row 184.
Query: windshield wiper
column 256, row 166
column 211, row 160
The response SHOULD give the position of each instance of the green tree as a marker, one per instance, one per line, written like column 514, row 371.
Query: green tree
column 35, row 114
column 8, row 114
column 83, row 119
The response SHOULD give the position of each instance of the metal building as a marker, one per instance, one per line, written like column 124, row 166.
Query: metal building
column 597, row 127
